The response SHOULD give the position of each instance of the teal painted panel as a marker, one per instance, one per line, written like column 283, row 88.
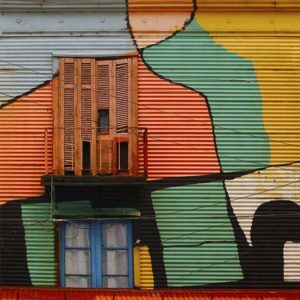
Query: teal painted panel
column 40, row 243
column 229, row 82
column 196, row 234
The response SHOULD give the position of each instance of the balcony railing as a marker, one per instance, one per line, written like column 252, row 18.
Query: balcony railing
column 123, row 152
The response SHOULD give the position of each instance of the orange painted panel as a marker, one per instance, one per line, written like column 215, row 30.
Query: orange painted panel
column 180, row 135
column 23, row 144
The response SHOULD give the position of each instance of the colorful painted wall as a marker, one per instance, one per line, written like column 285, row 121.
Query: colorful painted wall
column 239, row 225
column 218, row 91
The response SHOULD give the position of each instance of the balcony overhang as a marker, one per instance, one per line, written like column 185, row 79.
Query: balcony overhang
column 84, row 181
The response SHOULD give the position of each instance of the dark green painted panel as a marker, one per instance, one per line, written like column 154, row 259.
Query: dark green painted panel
column 40, row 243
column 197, row 235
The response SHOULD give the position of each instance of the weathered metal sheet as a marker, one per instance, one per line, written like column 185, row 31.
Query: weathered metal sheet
column 27, row 62
column 31, row 41
column 41, row 5
column 60, row 22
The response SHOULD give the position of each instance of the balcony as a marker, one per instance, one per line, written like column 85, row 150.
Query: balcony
column 116, row 153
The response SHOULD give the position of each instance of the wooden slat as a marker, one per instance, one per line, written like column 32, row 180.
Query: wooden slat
column 68, row 83
column 85, row 81
column 77, row 118
column 122, row 93
column 94, row 114
column 103, row 82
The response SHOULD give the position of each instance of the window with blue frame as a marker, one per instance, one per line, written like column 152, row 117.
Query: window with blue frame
column 96, row 254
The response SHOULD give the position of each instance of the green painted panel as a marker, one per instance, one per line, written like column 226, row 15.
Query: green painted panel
column 40, row 243
column 229, row 82
column 197, row 235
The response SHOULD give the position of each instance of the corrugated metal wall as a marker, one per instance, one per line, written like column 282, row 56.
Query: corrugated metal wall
column 61, row 5
column 22, row 144
column 28, row 61
column 88, row 294
column 40, row 246
column 249, row 77
column 180, row 137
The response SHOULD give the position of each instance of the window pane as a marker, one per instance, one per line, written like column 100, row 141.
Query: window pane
column 115, row 262
column 77, row 235
column 103, row 121
column 78, row 281
column 115, row 282
column 122, row 156
column 114, row 235
column 77, row 262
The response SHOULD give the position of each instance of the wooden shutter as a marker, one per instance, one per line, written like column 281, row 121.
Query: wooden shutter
column 88, row 113
column 122, row 94
column 104, row 77
column 67, row 95
column 105, row 87
column 86, row 98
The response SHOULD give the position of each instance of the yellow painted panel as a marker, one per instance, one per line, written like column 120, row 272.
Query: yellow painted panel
column 248, row 5
column 143, row 276
column 276, row 61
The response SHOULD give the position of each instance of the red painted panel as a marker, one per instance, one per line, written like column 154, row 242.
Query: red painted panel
column 29, row 293
column 88, row 295
column 180, row 135
column 188, row 296
column 292, row 295
column 43, row 294
column 8, row 294
column 22, row 144
column 138, row 296
column 237, row 295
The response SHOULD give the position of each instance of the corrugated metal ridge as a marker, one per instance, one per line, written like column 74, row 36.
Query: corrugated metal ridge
column 214, row 5
column 54, row 5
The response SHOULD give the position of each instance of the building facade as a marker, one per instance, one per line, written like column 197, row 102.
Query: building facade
column 150, row 145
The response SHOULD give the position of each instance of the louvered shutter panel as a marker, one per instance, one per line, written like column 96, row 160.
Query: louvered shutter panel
column 103, row 83
column 68, row 97
column 104, row 102
column 122, row 94
column 86, row 98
